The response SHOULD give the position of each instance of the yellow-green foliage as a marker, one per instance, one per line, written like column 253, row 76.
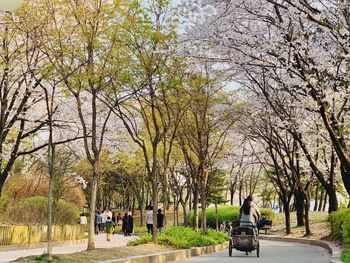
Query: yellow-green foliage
column 11, row 235
column 33, row 210
column 184, row 237
column 340, row 224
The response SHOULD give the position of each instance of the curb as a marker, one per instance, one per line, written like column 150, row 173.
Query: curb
column 169, row 256
column 331, row 248
column 7, row 248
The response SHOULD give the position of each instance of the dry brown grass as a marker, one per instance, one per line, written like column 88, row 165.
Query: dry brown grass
column 318, row 223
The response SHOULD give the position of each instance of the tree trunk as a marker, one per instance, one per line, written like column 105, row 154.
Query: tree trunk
column 174, row 212
column 333, row 201
column 155, row 209
column 184, row 205
column 177, row 214
column 141, row 215
column 307, row 221
column 51, row 158
column 195, row 208
column 216, row 217
column 231, row 196
column 316, row 197
column 92, row 208
column 320, row 203
column 189, row 198
column 299, row 206
column 141, row 202
column 165, row 196
column 287, row 217
column 325, row 202
column 204, row 210
column 240, row 192
column 50, row 161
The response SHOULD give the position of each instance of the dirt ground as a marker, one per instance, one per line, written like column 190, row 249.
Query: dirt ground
column 105, row 254
column 318, row 223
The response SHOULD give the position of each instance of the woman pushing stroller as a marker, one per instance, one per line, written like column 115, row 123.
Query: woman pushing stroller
column 249, row 213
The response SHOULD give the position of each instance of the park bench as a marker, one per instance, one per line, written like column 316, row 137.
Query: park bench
column 267, row 225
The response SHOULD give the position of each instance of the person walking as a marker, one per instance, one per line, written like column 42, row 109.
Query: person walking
column 104, row 219
column 125, row 219
column 108, row 213
column 149, row 220
column 119, row 219
column 109, row 228
column 114, row 219
column 83, row 219
column 160, row 220
column 99, row 222
column 96, row 223
column 129, row 226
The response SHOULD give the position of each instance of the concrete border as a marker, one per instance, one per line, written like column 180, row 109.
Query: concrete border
column 169, row 256
column 331, row 248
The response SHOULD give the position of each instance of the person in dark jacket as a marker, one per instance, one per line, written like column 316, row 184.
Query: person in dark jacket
column 114, row 219
column 96, row 223
column 160, row 220
column 129, row 226
column 125, row 218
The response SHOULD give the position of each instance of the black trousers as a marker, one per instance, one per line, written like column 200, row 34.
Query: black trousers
column 150, row 228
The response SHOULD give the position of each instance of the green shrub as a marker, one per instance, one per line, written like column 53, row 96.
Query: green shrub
column 144, row 239
column 340, row 224
column 345, row 255
column 183, row 237
column 227, row 213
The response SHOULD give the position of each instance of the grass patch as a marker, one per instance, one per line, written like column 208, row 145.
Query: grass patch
column 183, row 237
column 43, row 259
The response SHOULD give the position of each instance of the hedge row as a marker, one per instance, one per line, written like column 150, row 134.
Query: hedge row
column 184, row 237
column 340, row 226
column 227, row 213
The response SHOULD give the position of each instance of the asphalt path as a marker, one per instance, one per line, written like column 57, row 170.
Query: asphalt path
column 270, row 252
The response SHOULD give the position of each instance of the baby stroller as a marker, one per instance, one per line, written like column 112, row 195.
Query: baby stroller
column 244, row 238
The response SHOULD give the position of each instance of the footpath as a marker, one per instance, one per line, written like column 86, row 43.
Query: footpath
column 11, row 253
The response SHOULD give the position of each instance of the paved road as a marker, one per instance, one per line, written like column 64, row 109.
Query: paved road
column 270, row 252
column 100, row 242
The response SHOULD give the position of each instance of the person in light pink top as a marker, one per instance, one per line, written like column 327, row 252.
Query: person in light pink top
column 149, row 220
